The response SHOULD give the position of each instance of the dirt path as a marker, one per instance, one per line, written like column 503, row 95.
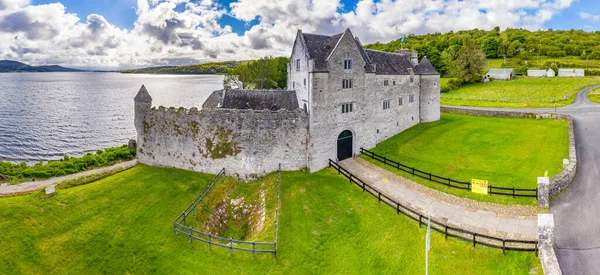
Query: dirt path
column 31, row 186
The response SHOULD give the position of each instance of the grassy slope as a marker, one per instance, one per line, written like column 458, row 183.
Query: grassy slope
column 505, row 151
column 519, row 93
column 594, row 95
column 123, row 224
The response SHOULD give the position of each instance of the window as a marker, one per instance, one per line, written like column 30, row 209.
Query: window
column 297, row 65
column 347, row 64
column 394, row 83
column 386, row 104
column 386, row 82
column 400, row 102
column 411, row 99
column 346, row 108
column 412, row 79
column 347, row 84
column 305, row 82
column 293, row 85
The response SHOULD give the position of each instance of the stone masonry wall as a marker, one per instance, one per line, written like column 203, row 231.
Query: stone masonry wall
column 559, row 182
column 246, row 143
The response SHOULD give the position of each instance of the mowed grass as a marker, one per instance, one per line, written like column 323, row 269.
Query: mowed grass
column 507, row 152
column 594, row 95
column 519, row 93
column 123, row 225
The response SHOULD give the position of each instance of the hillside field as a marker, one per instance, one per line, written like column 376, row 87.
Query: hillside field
column 519, row 93
column 123, row 224
column 594, row 95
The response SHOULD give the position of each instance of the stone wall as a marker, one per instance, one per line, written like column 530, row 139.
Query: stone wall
column 247, row 143
column 559, row 182
column 547, row 254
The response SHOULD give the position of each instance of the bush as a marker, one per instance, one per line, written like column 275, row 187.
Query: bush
column 67, row 165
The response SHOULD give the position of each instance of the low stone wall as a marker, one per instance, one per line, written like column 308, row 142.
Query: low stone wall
column 547, row 254
column 251, row 143
column 559, row 182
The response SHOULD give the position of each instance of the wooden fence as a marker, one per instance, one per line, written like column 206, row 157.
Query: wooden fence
column 180, row 225
column 473, row 237
column 465, row 185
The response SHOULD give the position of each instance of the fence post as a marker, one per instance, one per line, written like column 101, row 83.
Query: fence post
column 536, row 249
column 420, row 220
column 397, row 208
column 446, row 231
column 209, row 242
column 385, row 160
column 513, row 191
column 503, row 246
column 350, row 178
column 363, row 187
column 191, row 234
column 474, row 235
column 378, row 196
column 230, row 247
column 275, row 249
column 253, row 249
column 429, row 176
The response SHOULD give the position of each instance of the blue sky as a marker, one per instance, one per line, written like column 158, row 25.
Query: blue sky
column 122, row 13
column 119, row 34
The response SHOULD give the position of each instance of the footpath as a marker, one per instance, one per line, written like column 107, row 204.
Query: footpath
column 498, row 221
column 31, row 186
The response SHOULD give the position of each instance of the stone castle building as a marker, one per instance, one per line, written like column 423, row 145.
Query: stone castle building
column 339, row 97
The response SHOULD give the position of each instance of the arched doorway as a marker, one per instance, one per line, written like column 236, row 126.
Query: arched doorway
column 344, row 145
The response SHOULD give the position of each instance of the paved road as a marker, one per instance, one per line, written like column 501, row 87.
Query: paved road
column 577, row 210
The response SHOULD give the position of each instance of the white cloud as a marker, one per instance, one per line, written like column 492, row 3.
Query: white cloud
column 589, row 17
column 165, row 34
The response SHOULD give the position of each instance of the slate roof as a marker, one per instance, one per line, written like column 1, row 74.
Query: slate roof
column 321, row 46
column 252, row 99
column 425, row 68
column 143, row 95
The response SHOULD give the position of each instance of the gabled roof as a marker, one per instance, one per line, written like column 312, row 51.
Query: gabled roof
column 501, row 71
column 425, row 68
column 143, row 95
column 320, row 47
column 252, row 99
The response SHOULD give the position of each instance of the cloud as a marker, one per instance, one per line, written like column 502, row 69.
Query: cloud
column 170, row 32
column 589, row 17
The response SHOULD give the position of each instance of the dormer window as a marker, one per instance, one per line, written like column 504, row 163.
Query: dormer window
column 297, row 65
column 347, row 64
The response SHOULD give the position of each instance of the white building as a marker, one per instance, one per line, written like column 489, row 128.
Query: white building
column 536, row 73
column 501, row 74
column 550, row 73
column 571, row 73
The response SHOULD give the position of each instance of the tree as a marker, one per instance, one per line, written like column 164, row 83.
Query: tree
column 490, row 47
column 265, row 73
column 471, row 63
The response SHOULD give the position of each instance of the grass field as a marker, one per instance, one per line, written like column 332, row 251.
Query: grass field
column 123, row 225
column 505, row 151
column 594, row 95
column 519, row 93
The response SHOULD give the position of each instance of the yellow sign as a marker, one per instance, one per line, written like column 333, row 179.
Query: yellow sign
column 479, row 186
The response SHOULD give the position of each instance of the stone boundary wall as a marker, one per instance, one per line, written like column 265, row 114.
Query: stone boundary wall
column 559, row 182
column 547, row 254
column 250, row 142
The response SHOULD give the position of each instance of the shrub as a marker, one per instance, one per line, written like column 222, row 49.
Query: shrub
column 67, row 165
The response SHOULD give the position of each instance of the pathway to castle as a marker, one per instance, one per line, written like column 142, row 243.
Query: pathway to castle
column 30, row 186
column 577, row 210
column 510, row 221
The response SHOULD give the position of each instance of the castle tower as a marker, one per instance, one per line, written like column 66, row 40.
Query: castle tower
column 143, row 103
column 429, row 99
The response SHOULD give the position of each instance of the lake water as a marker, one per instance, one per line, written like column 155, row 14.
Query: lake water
column 44, row 116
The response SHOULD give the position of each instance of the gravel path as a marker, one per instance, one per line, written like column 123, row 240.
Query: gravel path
column 31, row 186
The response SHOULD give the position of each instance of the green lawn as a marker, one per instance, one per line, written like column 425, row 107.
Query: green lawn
column 507, row 152
column 595, row 95
column 519, row 93
column 123, row 225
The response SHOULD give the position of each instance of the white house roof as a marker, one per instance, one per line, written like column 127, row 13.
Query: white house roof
column 501, row 71
column 569, row 70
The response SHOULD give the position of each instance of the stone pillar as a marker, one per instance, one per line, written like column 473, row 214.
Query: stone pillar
column 547, row 255
column 543, row 192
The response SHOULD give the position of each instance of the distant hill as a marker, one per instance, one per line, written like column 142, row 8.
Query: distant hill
column 7, row 66
column 206, row 68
